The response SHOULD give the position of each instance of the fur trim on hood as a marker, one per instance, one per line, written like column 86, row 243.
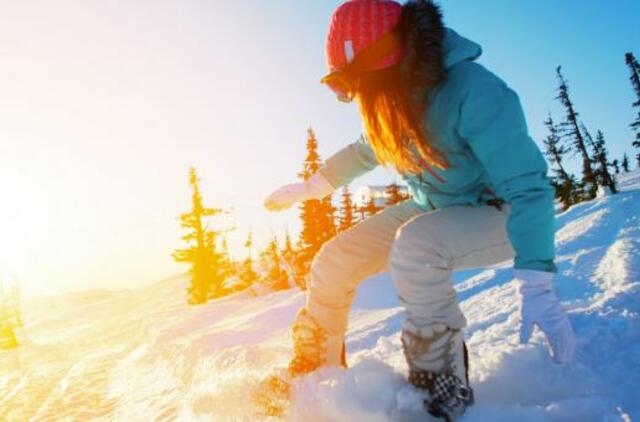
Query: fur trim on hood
column 424, row 34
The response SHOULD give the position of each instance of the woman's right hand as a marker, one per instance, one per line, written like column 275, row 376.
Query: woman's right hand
column 317, row 187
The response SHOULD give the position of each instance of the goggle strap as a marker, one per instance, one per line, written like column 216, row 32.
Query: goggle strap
column 368, row 57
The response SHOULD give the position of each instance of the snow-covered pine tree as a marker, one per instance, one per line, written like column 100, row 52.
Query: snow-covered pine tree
column 394, row 194
column 571, row 131
column 625, row 163
column 201, row 253
column 602, row 158
column 564, row 183
column 317, row 216
column 634, row 68
column 347, row 210
column 599, row 160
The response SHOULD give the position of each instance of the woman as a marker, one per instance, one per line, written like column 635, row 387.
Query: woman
column 457, row 135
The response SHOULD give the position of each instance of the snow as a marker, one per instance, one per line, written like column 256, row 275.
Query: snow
column 143, row 355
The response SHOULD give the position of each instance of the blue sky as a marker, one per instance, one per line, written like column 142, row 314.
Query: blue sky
column 105, row 105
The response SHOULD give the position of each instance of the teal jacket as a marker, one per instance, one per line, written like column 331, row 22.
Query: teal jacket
column 477, row 121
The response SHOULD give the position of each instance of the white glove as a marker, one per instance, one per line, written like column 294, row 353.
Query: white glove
column 317, row 187
column 541, row 307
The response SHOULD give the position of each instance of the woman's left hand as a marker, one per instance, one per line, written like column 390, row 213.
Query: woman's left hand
column 541, row 307
column 317, row 187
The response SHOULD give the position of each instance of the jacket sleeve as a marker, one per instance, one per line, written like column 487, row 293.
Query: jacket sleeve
column 492, row 122
column 349, row 163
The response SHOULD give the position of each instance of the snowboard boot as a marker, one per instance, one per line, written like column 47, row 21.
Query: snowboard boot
column 314, row 346
column 438, row 363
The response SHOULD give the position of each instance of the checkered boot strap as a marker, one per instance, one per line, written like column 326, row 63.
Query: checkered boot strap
column 448, row 394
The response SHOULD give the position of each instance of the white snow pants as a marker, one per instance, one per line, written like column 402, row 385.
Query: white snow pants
column 420, row 249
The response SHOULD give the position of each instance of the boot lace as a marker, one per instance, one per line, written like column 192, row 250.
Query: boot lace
column 309, row 345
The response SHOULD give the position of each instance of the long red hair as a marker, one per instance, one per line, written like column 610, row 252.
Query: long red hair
column 394, row 120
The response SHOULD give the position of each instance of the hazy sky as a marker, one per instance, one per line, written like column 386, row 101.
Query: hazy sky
column 105, row 104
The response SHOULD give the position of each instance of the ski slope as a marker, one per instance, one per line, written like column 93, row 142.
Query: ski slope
column 143, row 355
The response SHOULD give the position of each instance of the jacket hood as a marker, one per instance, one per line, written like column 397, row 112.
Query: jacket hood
column 431, row 48
column 457, row 48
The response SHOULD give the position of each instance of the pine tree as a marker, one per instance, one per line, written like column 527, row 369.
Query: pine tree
column 347, row 210
column 616, row 166
column 226, row 264
column 247, row 275
column 276, row 277
column 625, row 163
column 289, row 256
column 201, row 253
column 394, row 194
column 634, row 68
column 601, row 157
column 288, row 253
column 317, row 216
column 564, row 183
column 371, row 208
column 571, row 131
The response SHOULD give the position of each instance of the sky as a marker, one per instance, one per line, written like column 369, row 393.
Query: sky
column 105, row 105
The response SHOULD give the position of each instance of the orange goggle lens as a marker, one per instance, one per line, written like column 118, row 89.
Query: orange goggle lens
column 340, row 86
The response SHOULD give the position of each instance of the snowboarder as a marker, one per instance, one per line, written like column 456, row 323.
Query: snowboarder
column 457, row 135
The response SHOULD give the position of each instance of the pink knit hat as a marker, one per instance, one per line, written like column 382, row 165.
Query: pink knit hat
column 356, row 25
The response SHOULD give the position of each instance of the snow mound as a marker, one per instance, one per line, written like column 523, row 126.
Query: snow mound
column 143, row 355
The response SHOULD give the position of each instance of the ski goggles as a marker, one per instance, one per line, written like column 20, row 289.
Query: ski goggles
column 343, row 80
column 341, row 86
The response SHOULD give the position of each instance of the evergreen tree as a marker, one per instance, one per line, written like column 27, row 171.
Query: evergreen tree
column 289, row 256
column 599, row 159
column 602, row 158
column 616, row 166
column 201, row 253
column 276, row 277
column 571, row 131
column 394, row 194
column 347, row 210
column 634, row 68
column 317, row 216
column 371, row 208
column 625, row 163
column 288, row 253
column 226, row 264
column 247, row 275
column 564, row 183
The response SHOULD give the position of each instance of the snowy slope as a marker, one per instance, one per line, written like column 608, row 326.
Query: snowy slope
column 143, row 355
